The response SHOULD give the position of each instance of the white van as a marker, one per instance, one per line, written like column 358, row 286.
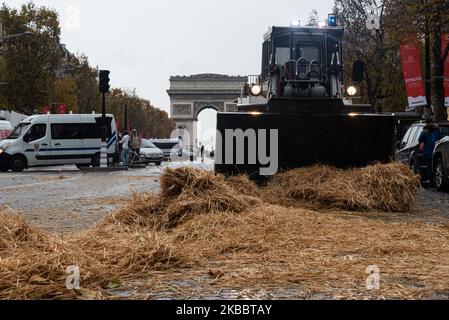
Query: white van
column 172, row 148
column 5, row 129
column 53, row 140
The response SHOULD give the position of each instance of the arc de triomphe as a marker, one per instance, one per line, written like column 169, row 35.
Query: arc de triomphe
column 189, row 95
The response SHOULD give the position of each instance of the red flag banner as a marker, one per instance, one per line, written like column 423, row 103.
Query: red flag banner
column 61, row 109
column 444, row 44
column 414, row 84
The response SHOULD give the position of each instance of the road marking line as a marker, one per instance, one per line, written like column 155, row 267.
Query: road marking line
column 38, row 184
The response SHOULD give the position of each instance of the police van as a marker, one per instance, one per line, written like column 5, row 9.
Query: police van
column 53, row 140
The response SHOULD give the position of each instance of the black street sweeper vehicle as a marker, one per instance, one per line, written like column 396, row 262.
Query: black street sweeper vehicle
column 295, row 114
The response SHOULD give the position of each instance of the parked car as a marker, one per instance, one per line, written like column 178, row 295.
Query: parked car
column 441, row 164
column 53, row 140
column 150, row 153
column 5, row 129
column 408, row 152
column 172, row 148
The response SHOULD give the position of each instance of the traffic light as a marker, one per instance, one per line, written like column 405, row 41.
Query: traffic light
column 104, row 81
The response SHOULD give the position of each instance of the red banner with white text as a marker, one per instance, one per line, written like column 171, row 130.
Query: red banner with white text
column 414, row 84
column 444, row 44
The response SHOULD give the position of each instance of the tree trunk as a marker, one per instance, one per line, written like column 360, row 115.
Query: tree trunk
column 440, row 109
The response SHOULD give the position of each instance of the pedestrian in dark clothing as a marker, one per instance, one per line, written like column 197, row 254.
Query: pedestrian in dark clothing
column 428, row 139
column 202, row 153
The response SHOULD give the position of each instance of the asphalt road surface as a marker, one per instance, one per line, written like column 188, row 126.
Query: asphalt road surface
column 63, row 199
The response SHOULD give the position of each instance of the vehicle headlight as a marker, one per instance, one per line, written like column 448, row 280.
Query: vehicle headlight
column 352, row 91
column 3, row 147
column 256, row 90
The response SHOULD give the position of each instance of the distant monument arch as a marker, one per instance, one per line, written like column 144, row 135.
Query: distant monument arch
column 190, row 95
column 206, row 106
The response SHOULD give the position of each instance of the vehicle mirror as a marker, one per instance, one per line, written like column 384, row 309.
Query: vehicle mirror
column 358, row 69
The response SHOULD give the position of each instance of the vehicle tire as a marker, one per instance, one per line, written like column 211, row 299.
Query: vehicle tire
column 158, row 164
column 18, row 163
column 440, row 179
column 95, row 160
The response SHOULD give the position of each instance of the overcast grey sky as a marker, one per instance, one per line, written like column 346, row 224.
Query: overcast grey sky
column 144, row 42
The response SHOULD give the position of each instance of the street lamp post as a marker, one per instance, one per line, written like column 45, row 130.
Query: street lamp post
column 373, row 23
column 104, row 88
column 125, row 127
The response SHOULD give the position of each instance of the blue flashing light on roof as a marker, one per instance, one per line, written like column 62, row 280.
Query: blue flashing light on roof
column 332, row 20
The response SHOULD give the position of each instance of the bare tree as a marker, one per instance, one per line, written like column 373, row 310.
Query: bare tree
column 313, row 18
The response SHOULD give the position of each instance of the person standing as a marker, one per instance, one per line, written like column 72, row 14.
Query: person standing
column 428, row 139
column 125, row 148
column 135, row 141
column 202, row 153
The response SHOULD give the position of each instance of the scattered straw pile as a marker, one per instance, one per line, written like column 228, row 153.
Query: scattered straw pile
column 187, row 192
column 200, row 217
column 326, row 252
column 390, row 187
column 33, row 264
column 16, row 233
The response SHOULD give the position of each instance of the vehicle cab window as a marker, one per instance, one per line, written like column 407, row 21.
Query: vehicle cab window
column 282, row 49
column 36, row 132
column 70, row 131
column 310, row 53
column 19, row 131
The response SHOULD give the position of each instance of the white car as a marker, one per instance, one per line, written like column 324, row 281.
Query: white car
column 150, row 153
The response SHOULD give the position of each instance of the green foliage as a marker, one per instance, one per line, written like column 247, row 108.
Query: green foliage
column 89, row 97
column 29, row 61
column 65, row 90
column 37, row 75
column 149, row 121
